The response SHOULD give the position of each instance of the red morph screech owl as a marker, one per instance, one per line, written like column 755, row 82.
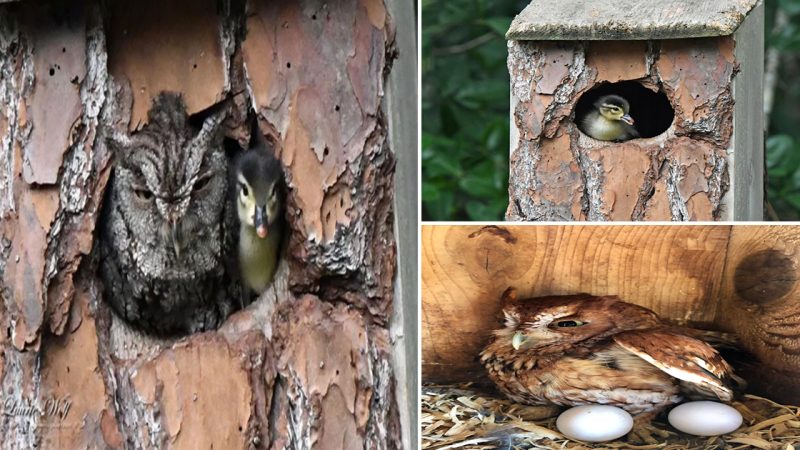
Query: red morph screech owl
column 583, row 349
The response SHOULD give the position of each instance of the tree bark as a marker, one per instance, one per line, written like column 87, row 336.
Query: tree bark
column 559, row 173
column 307, row 365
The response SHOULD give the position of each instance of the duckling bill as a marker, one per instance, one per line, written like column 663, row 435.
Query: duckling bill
column 259, row 199
column 609, row 120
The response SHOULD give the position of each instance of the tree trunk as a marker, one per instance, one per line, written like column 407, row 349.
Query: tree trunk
column 307, row 365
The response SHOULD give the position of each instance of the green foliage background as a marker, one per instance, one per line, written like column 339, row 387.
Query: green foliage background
column 465, row 109
column 783, row 137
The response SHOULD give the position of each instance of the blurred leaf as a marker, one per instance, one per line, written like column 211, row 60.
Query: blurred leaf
column 444, row 205
column 477, row 210
column 495, row 134
column 778, row 147
column 430, row 192
column 479, row 184
column 782, row 156
column 794, row 200
column 792, row 7
column 498, row 24
column 440, row 165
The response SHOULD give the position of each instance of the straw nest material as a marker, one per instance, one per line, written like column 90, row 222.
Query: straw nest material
column 460, row 417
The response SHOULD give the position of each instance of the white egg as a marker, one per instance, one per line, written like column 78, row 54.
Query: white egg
column 594, row 423
column 705, row 418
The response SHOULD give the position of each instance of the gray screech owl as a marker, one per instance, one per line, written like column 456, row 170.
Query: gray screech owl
column 165, row 236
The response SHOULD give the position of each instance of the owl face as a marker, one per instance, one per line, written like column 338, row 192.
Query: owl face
column 170, row 185
column 538, row 323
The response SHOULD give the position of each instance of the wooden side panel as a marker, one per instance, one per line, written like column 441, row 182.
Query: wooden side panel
column 748, row 152
column 403, row 139
column 676, row 271
column 760, row 301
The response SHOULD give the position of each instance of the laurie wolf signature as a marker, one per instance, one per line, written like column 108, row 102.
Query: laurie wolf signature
column 50, row 407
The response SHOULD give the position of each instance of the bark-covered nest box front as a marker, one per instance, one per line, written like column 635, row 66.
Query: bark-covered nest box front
column 690, row 72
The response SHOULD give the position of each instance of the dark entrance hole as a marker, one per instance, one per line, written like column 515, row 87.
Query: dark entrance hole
column 650, row 110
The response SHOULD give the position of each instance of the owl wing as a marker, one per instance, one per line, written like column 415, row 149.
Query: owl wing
column 230, row 241
column 700, row 368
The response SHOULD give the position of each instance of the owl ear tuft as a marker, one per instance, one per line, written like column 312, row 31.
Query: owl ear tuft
column 117, row 142
column 211, row 128
column 509, row 295
column 510, row 317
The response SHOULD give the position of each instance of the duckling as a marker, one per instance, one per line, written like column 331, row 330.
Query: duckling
column 259, row 199
column 609, row 120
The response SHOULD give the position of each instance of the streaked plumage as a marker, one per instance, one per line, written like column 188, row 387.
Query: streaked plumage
column 582, row 349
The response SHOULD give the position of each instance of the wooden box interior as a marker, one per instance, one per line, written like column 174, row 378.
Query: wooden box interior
column 741, row 279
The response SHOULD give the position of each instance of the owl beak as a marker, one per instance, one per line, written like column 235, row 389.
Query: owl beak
column 518, row 340
column 627, row 119
column 260, row 221
column 176, row 239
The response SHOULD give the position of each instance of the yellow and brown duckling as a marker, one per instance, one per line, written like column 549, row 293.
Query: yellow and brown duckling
column 609, row 120
column 259, row 199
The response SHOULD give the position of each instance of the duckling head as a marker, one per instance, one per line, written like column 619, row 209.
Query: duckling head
column 259, row 179
column 614, row 107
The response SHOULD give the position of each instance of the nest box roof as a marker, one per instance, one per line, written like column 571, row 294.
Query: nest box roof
column 572, row 20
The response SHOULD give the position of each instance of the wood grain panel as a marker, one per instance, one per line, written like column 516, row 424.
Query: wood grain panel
column 674, row 270
column 760, row 302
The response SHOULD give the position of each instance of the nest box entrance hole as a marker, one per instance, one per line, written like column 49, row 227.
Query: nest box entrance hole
column 651, row 111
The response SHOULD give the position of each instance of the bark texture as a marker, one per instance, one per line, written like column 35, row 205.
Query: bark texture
column 309, row 363
column 558, row 173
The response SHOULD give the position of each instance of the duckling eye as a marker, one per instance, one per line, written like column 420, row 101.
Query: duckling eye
column 569, row 323
column 245, row 192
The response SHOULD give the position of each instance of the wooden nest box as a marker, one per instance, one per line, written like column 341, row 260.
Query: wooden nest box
column 692, row 73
